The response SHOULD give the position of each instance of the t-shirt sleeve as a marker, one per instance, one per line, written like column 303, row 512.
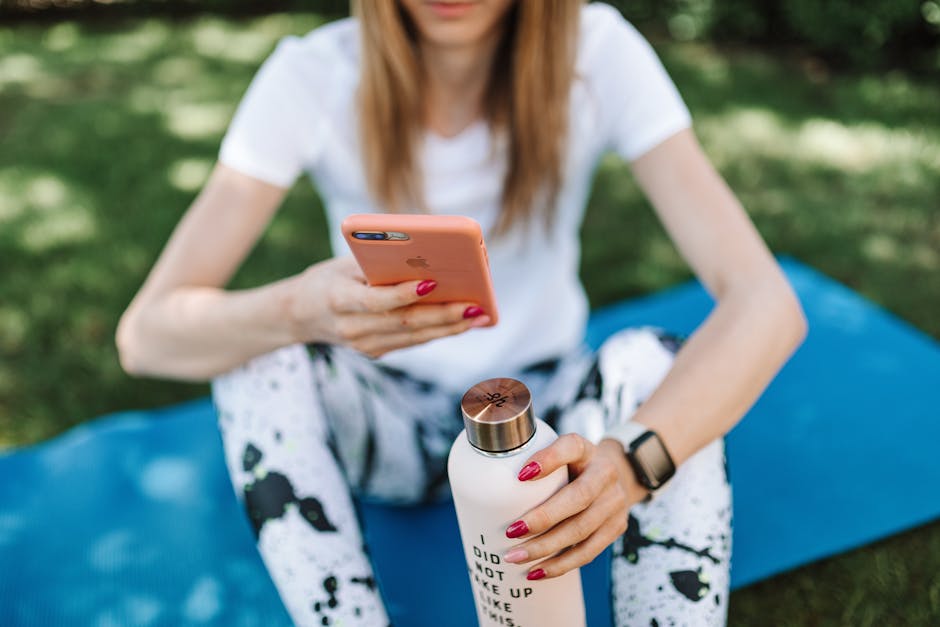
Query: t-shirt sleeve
column 642, row 105
column 278, row 127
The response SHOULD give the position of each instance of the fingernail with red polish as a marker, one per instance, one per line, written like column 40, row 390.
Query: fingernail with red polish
column 472, row 312
column 532, row 469
column 516, row 529
column 516, row 555
column 538, row 573
column 425, row 287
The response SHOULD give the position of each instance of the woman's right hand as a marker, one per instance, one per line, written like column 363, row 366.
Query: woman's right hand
column 332, row 303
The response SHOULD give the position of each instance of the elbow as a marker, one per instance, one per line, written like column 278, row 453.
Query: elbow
column 790, row 315
column 799, row 323
column 140, row 358
column 773, row 299
column 127, row 342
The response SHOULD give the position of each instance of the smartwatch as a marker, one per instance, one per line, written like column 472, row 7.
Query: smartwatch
column 646, row 454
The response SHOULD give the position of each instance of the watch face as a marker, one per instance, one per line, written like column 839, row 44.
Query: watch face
column 653, row 463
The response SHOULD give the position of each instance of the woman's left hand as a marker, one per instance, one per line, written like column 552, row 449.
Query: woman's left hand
column 583, row 517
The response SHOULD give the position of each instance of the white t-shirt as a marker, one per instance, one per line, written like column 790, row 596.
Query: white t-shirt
column 298, row 116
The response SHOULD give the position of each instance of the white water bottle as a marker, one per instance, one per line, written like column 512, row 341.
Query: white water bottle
column 500, row 433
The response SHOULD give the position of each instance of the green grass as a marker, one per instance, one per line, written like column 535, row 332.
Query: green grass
column 107, row 131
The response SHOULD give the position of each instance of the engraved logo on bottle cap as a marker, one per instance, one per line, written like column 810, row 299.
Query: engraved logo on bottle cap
column 497, row 414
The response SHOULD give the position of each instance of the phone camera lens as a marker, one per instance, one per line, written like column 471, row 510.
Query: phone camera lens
column 370, row 235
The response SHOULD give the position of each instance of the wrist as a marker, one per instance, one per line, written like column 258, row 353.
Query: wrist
column 646, row 454
column 292, row 310
column 635, row 490
column 288, row 309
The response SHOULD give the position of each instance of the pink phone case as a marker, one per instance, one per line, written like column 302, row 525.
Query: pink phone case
column 447, row 249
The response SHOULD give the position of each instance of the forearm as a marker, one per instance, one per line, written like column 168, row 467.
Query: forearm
column 195, row 333
column 724, row 366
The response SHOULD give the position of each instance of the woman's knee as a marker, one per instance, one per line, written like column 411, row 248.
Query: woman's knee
column 269, row 419
column 675, row 555
column 644, row 354
column 268, row 389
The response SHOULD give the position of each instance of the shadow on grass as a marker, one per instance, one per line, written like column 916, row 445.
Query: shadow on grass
column 109, row 131
column 102, row 152
column 715, row 80
column 891, row 582
column 843, row 176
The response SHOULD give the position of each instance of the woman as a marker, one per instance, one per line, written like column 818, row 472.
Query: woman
column 499, row 110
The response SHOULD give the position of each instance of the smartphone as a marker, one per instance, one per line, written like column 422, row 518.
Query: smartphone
column 394, row 247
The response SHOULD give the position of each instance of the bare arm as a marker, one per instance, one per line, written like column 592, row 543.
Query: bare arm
column 757, row 322
column 716, row 377
column 182, row 324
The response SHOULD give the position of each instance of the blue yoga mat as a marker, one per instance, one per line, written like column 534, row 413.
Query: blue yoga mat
column 131, row 520
column 836, row 452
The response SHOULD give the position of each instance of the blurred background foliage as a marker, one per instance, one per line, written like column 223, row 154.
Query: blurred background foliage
column 851, row 33
column 817, row 113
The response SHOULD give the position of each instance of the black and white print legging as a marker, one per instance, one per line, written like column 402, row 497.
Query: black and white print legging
column 307, row 427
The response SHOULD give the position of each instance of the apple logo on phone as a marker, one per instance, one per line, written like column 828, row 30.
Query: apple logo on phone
column 418, row 262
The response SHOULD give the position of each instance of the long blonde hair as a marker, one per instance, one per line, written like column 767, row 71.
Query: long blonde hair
column 527, row 96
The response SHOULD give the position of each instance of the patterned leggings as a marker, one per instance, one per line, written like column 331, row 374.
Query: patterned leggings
column 306, row 428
